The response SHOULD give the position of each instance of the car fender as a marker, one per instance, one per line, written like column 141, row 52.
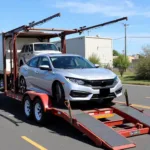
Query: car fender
column 59, row 78
column 47, row 103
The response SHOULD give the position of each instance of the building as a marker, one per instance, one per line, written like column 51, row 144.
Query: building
column 131, row 58
column 88, row 45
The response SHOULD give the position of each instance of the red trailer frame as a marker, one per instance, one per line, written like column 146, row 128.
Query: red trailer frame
column 46, row 102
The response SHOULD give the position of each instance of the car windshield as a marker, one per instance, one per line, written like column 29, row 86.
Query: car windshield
column 70, row 62
column 43, row 47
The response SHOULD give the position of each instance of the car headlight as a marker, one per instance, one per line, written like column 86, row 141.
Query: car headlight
column 77, row 81
column 116, row 79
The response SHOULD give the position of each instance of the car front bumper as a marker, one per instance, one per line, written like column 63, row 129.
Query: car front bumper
column 75, row 92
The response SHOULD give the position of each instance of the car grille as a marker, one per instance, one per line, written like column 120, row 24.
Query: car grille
column 101, row 83
column 97, row 96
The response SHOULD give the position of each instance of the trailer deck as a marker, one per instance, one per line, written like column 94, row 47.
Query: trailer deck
column 89, row 121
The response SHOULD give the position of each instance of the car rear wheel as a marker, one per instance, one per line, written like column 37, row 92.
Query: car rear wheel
column 23, row 86
column 58, row 92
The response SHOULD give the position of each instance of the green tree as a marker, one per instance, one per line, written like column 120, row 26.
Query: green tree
column 142, row 67
column 115, row 53
column 121, row 63
column 94, row 59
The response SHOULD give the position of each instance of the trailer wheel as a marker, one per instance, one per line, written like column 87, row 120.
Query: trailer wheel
column 22, row 85
column 39, row 114
column 27, row 104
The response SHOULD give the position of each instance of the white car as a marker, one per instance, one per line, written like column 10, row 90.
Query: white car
column 30, row 50
column 69, row 77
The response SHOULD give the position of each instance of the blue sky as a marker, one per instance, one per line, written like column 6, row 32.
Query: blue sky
column 77, row 13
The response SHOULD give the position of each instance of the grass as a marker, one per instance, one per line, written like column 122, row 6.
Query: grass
column 130, row 78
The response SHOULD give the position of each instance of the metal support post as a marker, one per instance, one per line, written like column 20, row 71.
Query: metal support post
column 126, row 97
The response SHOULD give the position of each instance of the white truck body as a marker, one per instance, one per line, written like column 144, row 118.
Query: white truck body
column 19, row 44
column 86, row 46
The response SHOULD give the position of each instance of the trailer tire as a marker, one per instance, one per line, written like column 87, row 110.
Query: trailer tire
column 28, row 108
column 38, row 111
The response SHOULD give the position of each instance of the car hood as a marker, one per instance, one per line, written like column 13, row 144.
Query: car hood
column 89, row 74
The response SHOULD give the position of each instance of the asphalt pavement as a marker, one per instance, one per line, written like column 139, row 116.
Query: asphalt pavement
column 17, row 133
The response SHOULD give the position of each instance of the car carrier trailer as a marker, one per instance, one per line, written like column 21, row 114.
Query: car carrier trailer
column 85, row 119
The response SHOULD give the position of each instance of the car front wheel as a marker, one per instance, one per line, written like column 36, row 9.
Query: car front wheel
column 58, row 93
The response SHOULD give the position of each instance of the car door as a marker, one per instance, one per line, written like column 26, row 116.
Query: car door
column 32, row 71
column 44, row 77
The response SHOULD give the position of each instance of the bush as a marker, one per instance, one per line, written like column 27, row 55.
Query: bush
column 121, row 63
column 142, row 68
column 94, row 59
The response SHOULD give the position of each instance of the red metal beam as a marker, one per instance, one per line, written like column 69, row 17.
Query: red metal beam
column 51, row 29
column 103, row 24
column 114, row 123
column 63, row 43
column 44, row 20
column 95, row 26
column 4, row 62
column 25, row 27
column 15, row 64
column 133, row 132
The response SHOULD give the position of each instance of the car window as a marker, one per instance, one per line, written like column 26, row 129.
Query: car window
column 33, row 62
column 43, row 47
column 81, row 62
column 26, row 49
column 30, row 48
column 23, row 49
column 70, row 62
column 44, row 61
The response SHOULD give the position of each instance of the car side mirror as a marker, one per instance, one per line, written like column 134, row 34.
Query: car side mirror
column 45, row 67
column 96, row 65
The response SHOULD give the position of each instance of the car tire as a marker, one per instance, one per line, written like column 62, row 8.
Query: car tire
column 23, row 86
column 59, row 94
column 21, row 63
column 28, row 108
column 38, row 111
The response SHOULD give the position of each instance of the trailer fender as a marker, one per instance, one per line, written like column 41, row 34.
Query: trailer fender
column 43, row 97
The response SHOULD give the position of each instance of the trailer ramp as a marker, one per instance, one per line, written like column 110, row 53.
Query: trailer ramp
column 103, row 132
column 97, row 130
column 133, row 114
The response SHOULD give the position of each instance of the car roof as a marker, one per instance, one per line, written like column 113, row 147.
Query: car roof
column 40, row 43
